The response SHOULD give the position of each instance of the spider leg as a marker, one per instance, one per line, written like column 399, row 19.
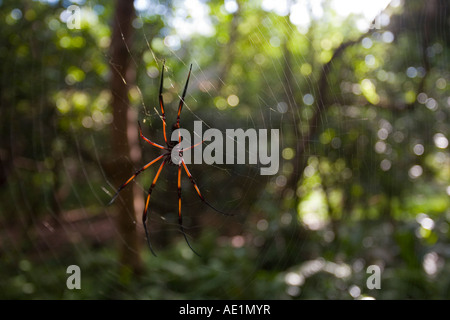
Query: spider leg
column 180, row 219
column 148, row 140
column 144, row 214
column 161, row 102
column 193, row 146
column 182, row 98
column 199, row 193
column 134, row 176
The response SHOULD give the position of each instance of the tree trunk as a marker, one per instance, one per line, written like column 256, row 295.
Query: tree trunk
column 125, row 137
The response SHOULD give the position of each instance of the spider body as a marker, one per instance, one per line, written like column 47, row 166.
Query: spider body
column 167, row 158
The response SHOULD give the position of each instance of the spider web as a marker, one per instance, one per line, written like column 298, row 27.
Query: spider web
column 161, row 216
column 255, row 119
column 228, row 190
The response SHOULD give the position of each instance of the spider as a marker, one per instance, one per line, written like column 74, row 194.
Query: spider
column 167, row 159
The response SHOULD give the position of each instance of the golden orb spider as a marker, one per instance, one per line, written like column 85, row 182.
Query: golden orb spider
column 167, row 159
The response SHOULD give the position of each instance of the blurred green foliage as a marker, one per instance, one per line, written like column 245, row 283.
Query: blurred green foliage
column 368, row 109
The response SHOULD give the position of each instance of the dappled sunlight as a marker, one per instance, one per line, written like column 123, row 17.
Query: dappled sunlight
column 357, row 93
